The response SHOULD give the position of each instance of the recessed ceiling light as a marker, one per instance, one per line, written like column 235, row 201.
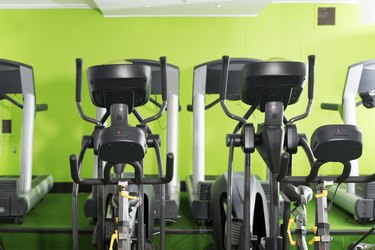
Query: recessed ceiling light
column 218, row 5
column 147, row 5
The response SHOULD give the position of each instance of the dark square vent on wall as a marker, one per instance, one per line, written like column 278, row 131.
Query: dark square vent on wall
column 7, row 127
column 326, row 16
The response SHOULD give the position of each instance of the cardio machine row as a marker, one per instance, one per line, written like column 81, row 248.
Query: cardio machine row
column 267, row 86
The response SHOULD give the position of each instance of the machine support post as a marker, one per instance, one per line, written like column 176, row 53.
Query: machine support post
column 247, row 232
column 274, row 207
column 27, row 141
column 286, row 213
column 229, row 196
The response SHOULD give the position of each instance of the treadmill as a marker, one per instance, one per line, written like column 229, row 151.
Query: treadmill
column 357, row 199
column 172, row 189
column 19, row 194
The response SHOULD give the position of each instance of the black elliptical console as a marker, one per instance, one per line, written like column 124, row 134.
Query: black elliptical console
column 119, row 83
column 337, row 143
column 262, row 82
column 120, row 88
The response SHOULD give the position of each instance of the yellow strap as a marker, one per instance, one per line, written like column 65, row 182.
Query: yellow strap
column 315, row 239
column 314, row 229
column 292, row 242
column 323, row 194
column 113, row 238
column 130, row 197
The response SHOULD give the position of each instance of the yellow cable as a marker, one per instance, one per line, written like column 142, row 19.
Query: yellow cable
column 126, row 195
column 313, row 240
column 292, row 242
column 323, row 194
column 113, row 238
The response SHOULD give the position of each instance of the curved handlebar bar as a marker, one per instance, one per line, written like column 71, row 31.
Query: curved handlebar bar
column 313, row 176
column 310, row 94
column 163, row 68
column 79, row 93
column 74, row 167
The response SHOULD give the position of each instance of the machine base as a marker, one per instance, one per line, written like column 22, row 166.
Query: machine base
column 14, row 205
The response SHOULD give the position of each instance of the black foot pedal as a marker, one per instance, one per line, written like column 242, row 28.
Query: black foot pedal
column 236, row 232
column 109, row 229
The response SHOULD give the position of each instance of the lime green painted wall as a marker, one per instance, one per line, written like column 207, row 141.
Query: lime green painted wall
column 50, row 40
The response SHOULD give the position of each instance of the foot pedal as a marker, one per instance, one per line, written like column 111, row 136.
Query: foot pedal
column 236, row 232
column 109, row 229
column 237, row 227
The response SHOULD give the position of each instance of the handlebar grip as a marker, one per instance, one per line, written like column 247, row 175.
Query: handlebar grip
column 291, row 192
column 163, row 68
column 330, row 106
column 74, row 169
column 224, row 77
column 311, row 76
column 78, row 79
column 169, row 168
column 41, row 107
column 284, row 164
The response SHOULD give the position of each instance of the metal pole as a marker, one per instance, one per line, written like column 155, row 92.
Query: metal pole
column 247, row 207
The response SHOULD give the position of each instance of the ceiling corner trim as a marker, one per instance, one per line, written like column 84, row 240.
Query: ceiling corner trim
column 45, row 6
column 315, row 1
column 177, row 15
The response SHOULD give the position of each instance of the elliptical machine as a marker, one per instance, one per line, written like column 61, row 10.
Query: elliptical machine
column 119, row 88
column 269, row 87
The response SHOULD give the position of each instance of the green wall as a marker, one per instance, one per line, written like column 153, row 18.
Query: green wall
column 50, row 40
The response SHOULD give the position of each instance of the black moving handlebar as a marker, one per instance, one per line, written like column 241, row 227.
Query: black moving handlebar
column 313, row 176
column 138, row 179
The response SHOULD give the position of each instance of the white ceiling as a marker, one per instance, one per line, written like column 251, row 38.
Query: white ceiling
column 128, row 8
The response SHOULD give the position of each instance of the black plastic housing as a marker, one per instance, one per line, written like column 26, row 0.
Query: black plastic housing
column 337, row 143
column 214, row 72
column 122, row 144
column 263, row 82
column 119, row 83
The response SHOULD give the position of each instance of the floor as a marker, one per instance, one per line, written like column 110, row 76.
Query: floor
column 48, row 226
